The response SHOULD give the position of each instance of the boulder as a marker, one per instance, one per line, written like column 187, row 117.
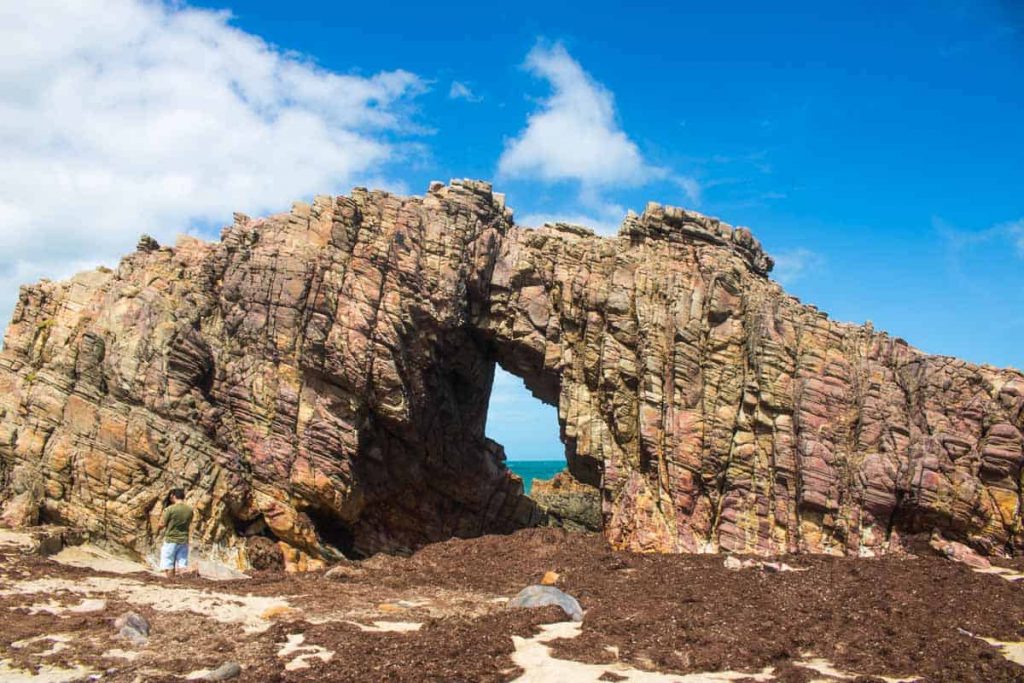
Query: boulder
column 543, row 596
column 343, row 571
column 133, row 626
column 568, row 503
column 263, row 553
column 224, row 672
column 958, row 552
column 214, row 570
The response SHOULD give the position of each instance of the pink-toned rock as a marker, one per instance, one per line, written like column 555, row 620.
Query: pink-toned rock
column 321, row 378
column 958, row 552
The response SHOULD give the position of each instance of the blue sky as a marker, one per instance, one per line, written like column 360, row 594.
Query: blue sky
column 875, row 148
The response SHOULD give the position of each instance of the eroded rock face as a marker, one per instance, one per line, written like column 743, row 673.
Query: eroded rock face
column 321, row 378
column 311, row 377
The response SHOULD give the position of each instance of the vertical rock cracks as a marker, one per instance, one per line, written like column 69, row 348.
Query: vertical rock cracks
column 320, row 379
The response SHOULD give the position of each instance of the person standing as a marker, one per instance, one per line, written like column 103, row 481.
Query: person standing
column 177, row 520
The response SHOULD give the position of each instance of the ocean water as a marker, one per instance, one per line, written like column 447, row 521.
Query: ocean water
column 535, row 469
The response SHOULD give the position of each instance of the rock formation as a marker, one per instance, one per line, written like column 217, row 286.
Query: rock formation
column 321, row 378
column 567, row 503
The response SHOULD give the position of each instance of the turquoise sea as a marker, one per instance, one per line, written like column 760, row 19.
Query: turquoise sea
column 535, row 469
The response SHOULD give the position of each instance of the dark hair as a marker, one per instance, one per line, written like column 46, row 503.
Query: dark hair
column 176, row 493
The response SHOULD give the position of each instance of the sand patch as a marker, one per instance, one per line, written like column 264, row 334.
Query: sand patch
column 1001, row 572
column 534, row 657
column 56, row 608
column 388, row 626
column 59, row 640
column 245, row 610
column 401, row 605
column 294, row 646
column 1013, row 651
column 734, row 563
column 826, row 668
column 17, row 539
column 45, row 673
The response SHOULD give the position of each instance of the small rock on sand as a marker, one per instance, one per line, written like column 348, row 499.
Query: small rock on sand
column 958, row 552
column 550, row 579
column 224, row 672
column 733, row 563
column 542, row 596
column 217, row 571
column 133, row 626
column 343, row 572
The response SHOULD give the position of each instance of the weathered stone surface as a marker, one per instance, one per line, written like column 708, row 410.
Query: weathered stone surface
column 48, row 540
column 343, row 571
column 568, row 503
column 133, row 626
column 321, row 378
column 263, row 553
column 544, row 596
column 312, row 376
column 958, row 552
column 224, row 672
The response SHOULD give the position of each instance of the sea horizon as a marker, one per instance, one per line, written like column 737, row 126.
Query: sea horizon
column 529, row 470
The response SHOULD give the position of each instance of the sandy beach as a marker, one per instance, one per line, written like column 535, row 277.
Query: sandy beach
column 442, row 614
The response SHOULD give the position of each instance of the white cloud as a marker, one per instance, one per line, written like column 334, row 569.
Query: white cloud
column 690, row 187
column 461, row 91
column 574, row 135
column 959, row 240
column 794, row 264
column 602, row 217
column 119, row 117
column 1016, row 232
column 598, row 225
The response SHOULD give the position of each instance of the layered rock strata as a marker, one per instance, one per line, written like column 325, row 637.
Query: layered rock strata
column 321, row 378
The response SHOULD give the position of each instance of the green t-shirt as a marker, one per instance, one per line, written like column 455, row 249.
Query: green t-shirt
column 177, row 519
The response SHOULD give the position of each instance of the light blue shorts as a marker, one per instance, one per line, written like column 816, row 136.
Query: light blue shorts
column 174, row 555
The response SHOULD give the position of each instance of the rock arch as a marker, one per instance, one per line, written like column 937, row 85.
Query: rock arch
column 321, row 377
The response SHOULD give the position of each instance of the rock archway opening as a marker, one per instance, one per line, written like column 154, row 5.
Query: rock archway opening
column 526, row 427
column 522, row 416
column 523, row 410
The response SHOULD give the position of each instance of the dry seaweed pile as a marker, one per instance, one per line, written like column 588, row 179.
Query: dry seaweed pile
column 441, row 615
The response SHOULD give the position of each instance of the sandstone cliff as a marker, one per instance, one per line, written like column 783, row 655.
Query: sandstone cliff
column 321, row 378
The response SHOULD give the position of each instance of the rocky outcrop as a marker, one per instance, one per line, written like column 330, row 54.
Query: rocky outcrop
column 321, row 378
column 567, row 503
column 311, row 378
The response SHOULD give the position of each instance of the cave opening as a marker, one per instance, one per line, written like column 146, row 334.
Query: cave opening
column 333, row 533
